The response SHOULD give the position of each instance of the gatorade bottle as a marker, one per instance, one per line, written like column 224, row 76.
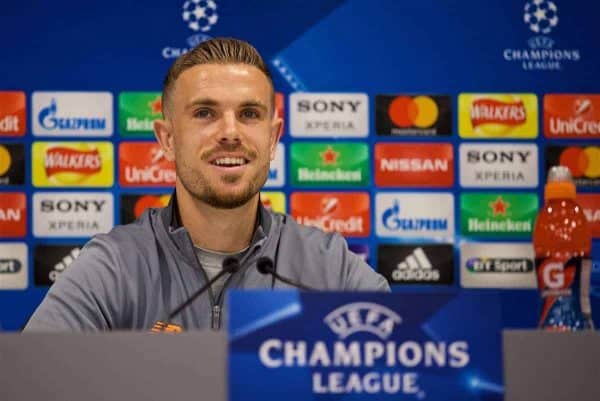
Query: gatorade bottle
column 562, row 242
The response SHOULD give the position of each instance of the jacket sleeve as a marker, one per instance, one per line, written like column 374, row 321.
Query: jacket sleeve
column 85, row 297
column 356, row 273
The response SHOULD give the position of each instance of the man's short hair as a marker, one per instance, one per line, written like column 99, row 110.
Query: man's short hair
column 214, row 51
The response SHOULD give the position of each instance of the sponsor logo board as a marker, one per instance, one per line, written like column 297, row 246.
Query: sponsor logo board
column 13, row 113
column 12, row 164
column 329, row 164
column 73, row 164
column 572, row 116
column 498, row 214
column 329, row 114
column 414, row 165
column 417, row 263
column 274, row 201
column 276, row 176
column 493, row 115
column 137, row 112
column 413, row 115
column 415, row 215
column 497, row 265
column 134, row 205
column 80, row 114
column 345, row 212
column 72, row 214
column 50, row 261
column 362, row 251
column 144, row 164
column 590, row 203
column 510, row 165
column 14, row 270
column 13, row 214
column 583, row 161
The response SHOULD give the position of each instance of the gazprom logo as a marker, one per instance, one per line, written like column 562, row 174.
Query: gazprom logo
column 48, row 120
column 392, row 221
column 362, row 317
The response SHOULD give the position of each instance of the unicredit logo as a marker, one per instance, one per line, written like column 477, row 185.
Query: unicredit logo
column 66, row 160
column 491, row 111
column 144, row 164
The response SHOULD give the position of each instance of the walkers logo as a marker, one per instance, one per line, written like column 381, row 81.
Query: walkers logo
column 414, row 165
column 274, row 201
column 277, row 168
column 345, row 212
column 200, row 16
column 590, row 203
column 498, row 214
column 133, row 206
column 12, row 164
column 541, row 18
column 13, row 214
column 483, row 115
column 50, row 261
column 583, row 161
column 13, row 114
column 572, row 116
column 72, row 114
column 509, row 165
column 415, row 215
column 137, row 112
column 143, row 164
column 73, row 164
column 413, row 115
column 14, row 270
column 72, row 214
column 417, row 263
column 497, row 265
column 329, row 114
column 334, row 163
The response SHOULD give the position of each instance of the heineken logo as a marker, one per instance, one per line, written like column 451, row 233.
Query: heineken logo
column 485, row 214
column 137, row 112
column 316, row 163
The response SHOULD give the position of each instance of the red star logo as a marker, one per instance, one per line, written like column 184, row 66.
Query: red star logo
column 329, row 156
column 499, row 206
column 155, row 105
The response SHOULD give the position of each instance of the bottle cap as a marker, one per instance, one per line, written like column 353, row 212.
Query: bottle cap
column 560, row 184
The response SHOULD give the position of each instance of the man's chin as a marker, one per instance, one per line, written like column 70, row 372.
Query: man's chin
column 228, row 200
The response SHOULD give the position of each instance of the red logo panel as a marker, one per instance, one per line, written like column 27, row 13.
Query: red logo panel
column 13, row 214
column 414, row 165
column 345, row 212
column 143, row 164
column 13, row 116
column 572, row 116
column 590, row 203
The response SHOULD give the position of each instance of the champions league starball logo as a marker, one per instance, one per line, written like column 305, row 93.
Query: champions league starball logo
column 200, row 16
column 541, row 17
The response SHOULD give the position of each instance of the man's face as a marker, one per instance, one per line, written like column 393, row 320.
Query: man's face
column 222, row 132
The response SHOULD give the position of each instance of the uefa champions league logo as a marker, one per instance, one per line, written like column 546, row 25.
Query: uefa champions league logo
column 541, row 16
column 200, row 15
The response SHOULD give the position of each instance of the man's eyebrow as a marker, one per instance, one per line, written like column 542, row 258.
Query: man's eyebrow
column 254, row 103
column 213, row 102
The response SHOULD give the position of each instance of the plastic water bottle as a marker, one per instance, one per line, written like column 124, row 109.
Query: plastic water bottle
column 562, row 242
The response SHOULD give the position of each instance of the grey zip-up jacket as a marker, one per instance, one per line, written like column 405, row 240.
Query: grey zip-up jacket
column 136, row 274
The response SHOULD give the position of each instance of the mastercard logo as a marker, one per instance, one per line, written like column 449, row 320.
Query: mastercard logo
column 583, row 162
column 419, row 111
column 5, row 160
column 150, row 201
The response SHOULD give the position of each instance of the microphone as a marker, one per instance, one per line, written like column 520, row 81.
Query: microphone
column 230, row 265
column 265, row 266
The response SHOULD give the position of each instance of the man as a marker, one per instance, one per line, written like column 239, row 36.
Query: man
column 221, row 131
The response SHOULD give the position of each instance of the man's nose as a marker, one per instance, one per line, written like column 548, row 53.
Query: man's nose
column 231, row 130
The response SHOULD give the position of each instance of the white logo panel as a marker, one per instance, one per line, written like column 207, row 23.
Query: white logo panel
column 72, row 214
column 415, row 215
column 497, row 265
column 507, row 165
column 277, row 168
column 80, row 114
column 13, row 266
column 329, row 115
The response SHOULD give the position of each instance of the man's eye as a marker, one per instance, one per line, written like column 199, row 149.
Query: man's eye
column 203, row 113
column 250, row 114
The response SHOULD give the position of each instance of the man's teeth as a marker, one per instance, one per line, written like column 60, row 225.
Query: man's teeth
column 230, row 161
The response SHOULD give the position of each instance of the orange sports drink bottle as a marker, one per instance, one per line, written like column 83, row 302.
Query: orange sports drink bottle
column 562, row 242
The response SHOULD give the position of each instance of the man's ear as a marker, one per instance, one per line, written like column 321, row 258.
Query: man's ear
column 163, row 131
column 276, row 131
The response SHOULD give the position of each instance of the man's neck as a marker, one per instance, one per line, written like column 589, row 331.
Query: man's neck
column 220, row 230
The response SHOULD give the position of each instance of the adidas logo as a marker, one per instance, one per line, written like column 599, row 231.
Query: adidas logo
column 416, row 267
column 63, row 264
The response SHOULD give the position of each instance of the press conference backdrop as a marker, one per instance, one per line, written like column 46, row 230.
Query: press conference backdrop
column 422, row 131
